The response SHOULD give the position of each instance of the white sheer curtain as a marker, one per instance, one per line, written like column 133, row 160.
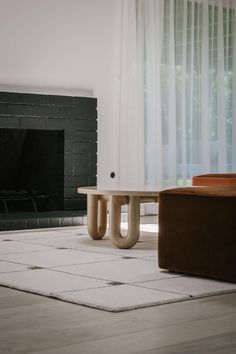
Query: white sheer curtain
column 186, row 89
column 131, row 152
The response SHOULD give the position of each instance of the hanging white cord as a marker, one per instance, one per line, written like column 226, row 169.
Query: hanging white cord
column 220, row 93
column 205, row 77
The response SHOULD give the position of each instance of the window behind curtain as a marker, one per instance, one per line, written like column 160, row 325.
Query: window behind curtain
column 197, row 76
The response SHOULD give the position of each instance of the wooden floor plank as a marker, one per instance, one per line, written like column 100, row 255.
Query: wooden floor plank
column 36, row 324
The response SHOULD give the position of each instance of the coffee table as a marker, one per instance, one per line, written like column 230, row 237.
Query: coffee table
column 97, row 200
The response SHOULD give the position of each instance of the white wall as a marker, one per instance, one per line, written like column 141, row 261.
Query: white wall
column 65, row 47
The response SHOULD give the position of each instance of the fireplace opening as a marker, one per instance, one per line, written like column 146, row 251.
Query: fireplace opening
column 31, row 170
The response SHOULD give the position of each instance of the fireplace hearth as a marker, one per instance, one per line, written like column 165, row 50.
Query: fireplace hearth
column 48, row 147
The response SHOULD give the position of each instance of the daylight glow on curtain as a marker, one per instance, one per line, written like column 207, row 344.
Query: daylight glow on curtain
column 187, row 50
column 130, row 100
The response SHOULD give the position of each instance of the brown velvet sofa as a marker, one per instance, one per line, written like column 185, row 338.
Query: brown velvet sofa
column 197, row 230
column 215, row 180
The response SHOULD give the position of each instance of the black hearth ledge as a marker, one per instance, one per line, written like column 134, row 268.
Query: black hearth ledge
column 34, row 220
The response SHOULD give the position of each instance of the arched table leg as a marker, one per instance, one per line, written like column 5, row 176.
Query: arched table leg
column 97, row 216
column 133, row 221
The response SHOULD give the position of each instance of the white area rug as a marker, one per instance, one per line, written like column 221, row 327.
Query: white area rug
column 65, row 263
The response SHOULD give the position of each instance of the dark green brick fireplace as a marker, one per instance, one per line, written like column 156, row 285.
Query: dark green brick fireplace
column 64, row 128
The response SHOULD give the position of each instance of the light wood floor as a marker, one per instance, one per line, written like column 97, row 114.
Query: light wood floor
column 35, row 324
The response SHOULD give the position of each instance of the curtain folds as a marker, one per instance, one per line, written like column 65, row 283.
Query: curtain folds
column 131, row 154
column 197, row 93
column 177, row 90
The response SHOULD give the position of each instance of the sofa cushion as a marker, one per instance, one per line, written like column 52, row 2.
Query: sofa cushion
column 218, row 179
